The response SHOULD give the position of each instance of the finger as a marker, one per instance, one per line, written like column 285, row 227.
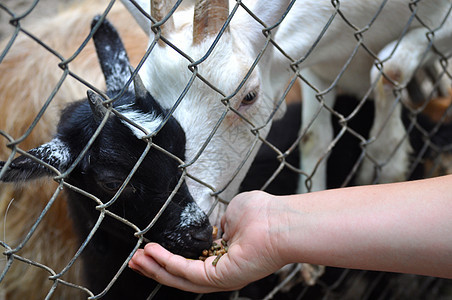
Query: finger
column 201, row 274
column 133, row 264
column 224, row 225
column 143, row 264
column 148, row 266
column 192, row 275
column 178, row 265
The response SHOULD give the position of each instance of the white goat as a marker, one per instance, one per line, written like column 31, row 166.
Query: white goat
column 322, row 67
column 166, row 75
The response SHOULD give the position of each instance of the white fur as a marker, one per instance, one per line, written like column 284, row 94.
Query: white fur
column 56, row 153
column 298, row 32
column 166, row 74
column 119, row 75
column 149, row 121
column 191, row 216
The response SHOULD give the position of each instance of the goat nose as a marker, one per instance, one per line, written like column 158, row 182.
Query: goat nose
column 203, row 234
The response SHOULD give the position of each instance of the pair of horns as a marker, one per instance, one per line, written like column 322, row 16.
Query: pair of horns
column 208, row 18
column 96, row 101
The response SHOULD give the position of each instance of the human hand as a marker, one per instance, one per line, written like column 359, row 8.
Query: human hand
column 251, row 227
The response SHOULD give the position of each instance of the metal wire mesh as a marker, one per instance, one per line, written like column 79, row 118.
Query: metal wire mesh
column 45, row 66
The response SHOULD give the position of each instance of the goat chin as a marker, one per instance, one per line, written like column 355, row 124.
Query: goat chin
column 28, row 74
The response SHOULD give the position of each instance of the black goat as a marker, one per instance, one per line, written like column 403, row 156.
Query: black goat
column 183, row 227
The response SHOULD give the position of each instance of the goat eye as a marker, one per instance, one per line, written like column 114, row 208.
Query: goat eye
column 111, row 186
column 249, row 98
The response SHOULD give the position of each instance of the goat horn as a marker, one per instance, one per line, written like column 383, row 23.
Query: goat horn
column 140, row 89
column 95, row 102
column 159, row 9
column 208, row 18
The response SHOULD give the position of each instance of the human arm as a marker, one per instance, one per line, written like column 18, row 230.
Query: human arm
column 400, row 227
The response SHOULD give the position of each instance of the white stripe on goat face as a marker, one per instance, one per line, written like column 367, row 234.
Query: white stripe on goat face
column 149, row 121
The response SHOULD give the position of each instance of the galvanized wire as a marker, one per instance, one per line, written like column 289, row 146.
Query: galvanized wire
column 335, row 283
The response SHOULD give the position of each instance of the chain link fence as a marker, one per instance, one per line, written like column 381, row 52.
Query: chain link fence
column 48, row 61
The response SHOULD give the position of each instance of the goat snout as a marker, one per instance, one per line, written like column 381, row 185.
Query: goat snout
column 194, row 241
column 200, row 239
column 203, row 235
column 190, row 235
column 189, row 241
column 197, row 228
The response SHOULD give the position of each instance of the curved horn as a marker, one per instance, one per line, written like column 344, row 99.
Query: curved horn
column 95, row 102
column 208, row 18
column 159, row 9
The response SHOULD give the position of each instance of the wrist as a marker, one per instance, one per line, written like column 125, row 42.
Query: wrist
column 285, row 223
column 300, row 220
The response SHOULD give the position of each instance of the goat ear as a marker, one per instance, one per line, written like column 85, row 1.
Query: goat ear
column 23, row 168
column 112, row 56
column 269, row 12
